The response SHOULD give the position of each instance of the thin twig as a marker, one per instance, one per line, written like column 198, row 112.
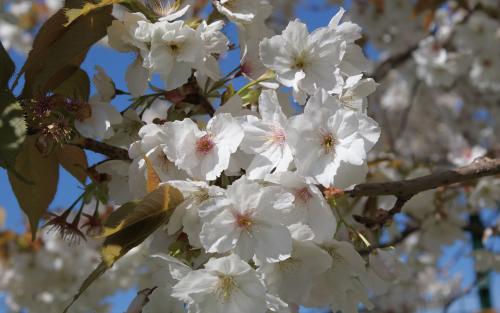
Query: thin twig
column 392, row 62
column 479, row 279
column 407, row 111
column 405, row 234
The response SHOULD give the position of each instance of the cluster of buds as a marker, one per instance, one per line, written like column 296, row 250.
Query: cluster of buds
column 52, row 116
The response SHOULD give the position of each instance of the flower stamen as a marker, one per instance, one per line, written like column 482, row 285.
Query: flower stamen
column 328, row 142
column 225, row 286
column 278, row 136
column 303, row 194
column 205, row 144
column 244, row 221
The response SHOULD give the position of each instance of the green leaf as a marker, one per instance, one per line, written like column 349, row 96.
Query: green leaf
column 228, row 93
column 58, row 51
column 77, row 86
column 7, row 67
column 43, row 172
column 250, row 95
column 130, row 225
column 12, row 128
column 74, row 160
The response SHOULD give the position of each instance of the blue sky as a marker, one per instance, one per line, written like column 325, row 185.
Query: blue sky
column 115, row 65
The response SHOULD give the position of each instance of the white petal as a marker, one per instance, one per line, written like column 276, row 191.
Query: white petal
column 273, row 242
column 137, row 78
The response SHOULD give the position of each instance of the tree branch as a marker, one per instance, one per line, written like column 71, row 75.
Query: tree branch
column 111, row 152
column 394, row 61
column 405, row 234
column 477, row 282
column 382, row 216
column 407, row 188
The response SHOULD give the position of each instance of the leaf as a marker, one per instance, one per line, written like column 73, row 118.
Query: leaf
column 77, row 86
column 152, row 178
column 12, row 125
column 7, row 67
column 58, row 51
column 96, row 273
column 160, row 201
column 120, row 214
column 12, row 128
column 74, row 160
column 228, row 93
column 43, row 172
column 88, row 7
column 130, row 225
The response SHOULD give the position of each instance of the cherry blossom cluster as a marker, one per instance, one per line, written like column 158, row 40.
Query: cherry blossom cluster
column 250, row 175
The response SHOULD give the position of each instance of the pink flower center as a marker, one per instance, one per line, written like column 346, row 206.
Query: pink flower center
column 205, row 144
column 303, row 194
column 278, row 136
column 243, row 220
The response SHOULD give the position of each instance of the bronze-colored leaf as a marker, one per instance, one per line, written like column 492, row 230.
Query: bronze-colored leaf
column 7, row 67
column 12, row 128
column 43, row 173
column 130, row 225
column 58, row 51
column 152, row 178
column 74, row 160
column 88, row 7
column 77, row 86
column 96, row 273
column 163, row 200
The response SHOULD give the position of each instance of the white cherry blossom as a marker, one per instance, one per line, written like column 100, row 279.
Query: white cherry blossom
column 326, row 136
column 131, row 34
column 266, row 138
column 103, row 115
column 309, row 206
column 186, row 215
column 247, row 221
column 203, row 154
column 301, row 60
column 227, row 284
column 174, row 52
column 242, row 11
column 293, row 278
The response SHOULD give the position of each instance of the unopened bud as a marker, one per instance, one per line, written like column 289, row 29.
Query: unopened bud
column 333, row 193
